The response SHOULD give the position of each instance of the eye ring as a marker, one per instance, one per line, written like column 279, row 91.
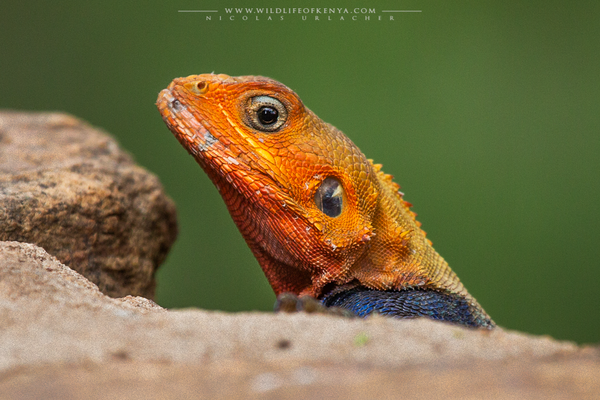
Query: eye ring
column 266, row 113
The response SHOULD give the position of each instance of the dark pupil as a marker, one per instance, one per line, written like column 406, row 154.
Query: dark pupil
column 267, row 115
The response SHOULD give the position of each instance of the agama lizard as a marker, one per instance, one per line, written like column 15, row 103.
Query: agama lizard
column 321, row 219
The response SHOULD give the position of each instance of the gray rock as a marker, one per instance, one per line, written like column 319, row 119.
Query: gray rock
column 61, row 338
column 68, row 188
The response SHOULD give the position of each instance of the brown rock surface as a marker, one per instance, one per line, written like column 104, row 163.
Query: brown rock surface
column 68, row 188
column 61, row 338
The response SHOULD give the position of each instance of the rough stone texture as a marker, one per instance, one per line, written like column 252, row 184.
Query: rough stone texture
column 61, row 338
column 68, row 188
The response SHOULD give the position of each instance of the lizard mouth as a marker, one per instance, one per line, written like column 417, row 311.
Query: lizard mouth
column 211, row 150
column 190, row 131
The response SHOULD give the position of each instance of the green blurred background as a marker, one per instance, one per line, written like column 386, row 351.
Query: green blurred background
column 487, row 114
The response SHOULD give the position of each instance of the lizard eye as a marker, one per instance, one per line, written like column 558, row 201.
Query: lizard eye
column 330, row 197
column 266, row 113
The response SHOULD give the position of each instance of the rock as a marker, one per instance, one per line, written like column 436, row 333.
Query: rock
column 68, row 188
column 63, row 339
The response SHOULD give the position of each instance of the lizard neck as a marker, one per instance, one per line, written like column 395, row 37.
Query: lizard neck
column 284, row 271
column 400, row 256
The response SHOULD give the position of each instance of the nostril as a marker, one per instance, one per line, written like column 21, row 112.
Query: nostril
column 201, row 86
column 176, row 105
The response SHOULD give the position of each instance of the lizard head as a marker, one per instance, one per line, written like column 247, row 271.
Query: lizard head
column 301, row 193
